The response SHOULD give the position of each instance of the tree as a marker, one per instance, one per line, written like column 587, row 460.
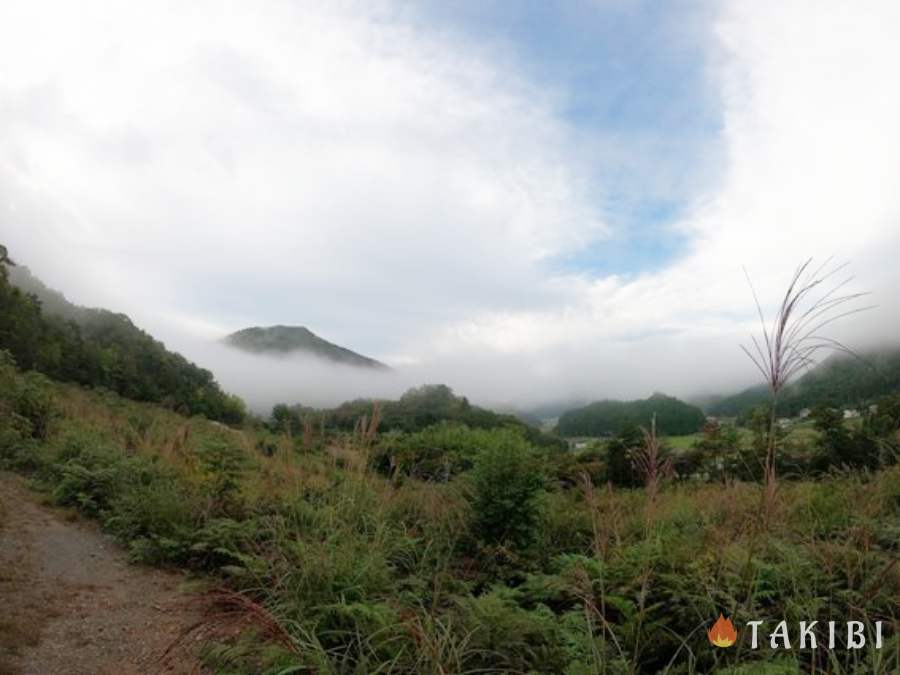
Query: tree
column 507, row 482
column 620, row 469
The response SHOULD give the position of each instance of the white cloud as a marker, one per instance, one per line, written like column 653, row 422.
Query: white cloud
column 403, row 194
column 810, row 104
column 320, row 154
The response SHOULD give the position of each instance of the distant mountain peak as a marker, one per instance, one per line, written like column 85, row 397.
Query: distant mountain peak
column 283, row 340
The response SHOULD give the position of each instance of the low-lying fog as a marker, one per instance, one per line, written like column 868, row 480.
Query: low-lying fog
column 678, row 365
column 502, row 382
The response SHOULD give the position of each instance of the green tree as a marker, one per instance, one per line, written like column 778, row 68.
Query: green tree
column 508, row 482
column 619, row 467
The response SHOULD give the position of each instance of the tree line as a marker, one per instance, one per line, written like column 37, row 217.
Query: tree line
column 607, row 418
column 99, row 348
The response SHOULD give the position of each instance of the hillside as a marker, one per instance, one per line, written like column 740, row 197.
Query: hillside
column 840, row 381
column 413, row 412
column 283, row 340
column 95, row 347
column 603, row 418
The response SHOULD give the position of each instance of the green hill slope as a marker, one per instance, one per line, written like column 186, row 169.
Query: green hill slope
column 292, row 339
column 840, row 381
column 45, row 332
column 602, row 418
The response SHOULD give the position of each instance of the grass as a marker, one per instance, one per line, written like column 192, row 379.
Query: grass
column 685, row 442
column 345, row 570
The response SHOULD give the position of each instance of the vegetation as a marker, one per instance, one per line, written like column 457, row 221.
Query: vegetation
column 605, row 418
column 99, row 348
column 517, row 560
column 289, row 339
column 414, row 412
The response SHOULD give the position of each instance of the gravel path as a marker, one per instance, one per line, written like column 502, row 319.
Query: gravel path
column 70, row 604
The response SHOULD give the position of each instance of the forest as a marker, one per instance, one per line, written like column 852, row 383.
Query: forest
column 844, row 380
column 99, row 348
column 605, row 418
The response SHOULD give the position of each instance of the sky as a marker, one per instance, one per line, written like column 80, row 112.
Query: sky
column 529, row 201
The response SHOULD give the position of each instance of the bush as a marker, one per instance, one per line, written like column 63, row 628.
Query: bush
column 86, row 476
column 28, row 396
column 437, row 453
column 507, row 482
column 155, row 515
column 223, row 464
column 509, row 638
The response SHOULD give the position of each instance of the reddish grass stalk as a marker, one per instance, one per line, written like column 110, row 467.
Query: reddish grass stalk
column 650, row 463
column 814, row 300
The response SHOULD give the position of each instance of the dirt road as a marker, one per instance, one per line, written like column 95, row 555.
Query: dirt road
column 70, row 604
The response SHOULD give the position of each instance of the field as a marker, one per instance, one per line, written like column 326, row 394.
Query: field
column 802, row 433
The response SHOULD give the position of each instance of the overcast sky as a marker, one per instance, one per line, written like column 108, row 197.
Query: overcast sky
column 526, row 200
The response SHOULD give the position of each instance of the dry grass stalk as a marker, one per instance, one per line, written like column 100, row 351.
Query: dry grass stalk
column 366, row 430
column 367, row 426
column 649, row 462
column 228, row 614
column 814, row 299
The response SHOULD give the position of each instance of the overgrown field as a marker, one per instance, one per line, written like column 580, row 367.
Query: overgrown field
column 460, row 551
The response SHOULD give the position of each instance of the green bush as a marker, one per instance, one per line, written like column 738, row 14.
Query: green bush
column 156, row 515
column 507, row 483
column 509, row 638
column 87, row 477
column 223, row 464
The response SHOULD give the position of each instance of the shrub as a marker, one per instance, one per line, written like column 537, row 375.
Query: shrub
column 509, row 638
column 507, row 483
column 155, row 514
column 223, row 464
column 29, row 396
column 87, row 478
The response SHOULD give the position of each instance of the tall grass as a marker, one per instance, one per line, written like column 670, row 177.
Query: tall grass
column 814, row 300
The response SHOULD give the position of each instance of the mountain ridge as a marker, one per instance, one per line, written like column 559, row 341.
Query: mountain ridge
column 283, row 340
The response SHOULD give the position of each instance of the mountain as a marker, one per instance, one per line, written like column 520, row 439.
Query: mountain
column 842, row 380
column 45, row 332
column 603, row 418
column 283, row 340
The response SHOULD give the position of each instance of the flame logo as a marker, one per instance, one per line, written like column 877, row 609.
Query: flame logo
column 722, row 633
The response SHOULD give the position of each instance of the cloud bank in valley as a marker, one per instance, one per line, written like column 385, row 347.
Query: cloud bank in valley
column 417, row 197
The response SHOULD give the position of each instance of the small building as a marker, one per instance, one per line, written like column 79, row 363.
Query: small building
column 579, row 443
column 851, row 413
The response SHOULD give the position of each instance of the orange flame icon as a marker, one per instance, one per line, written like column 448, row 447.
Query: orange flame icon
column 722, row 633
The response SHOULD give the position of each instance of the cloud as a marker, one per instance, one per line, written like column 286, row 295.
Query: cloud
column 810, row 143
column 410, row 196
column 314, row 159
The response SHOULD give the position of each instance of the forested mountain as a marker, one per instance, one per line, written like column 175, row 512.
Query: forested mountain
column 96, row 347
column 843, row 380
column 296, row 339
column 416, row 410
column 604, row 418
